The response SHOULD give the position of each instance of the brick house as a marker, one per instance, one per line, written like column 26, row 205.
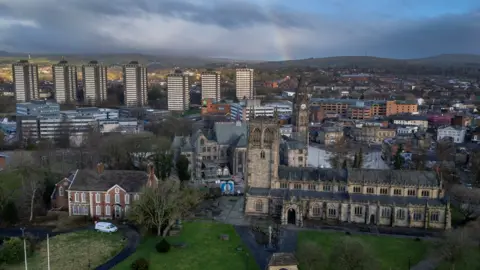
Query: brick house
column 102, row 194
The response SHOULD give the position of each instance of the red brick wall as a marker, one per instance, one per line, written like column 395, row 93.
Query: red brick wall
column 61, row 201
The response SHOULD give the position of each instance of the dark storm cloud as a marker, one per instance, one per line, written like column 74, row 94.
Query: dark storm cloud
column 73, row 26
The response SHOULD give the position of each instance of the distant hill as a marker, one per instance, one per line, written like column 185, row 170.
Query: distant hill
column 443, row 60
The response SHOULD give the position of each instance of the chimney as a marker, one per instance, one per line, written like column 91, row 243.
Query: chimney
column 100, row 168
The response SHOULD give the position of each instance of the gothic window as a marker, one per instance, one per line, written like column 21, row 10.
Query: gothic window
column 435, row 216
column 425, row 193
column 202, row 141
column 240, row 158
column 370, row 190
column 383, row 191
column 358, row 211
column 268, row 137
column 262, row 155
column 417, row 216
column 332, row 212
column 316, row 210
column 385, row 212
column 297, row 186
column 397, row 191
column 356, row 190
column 311, row 187
column 259, row 206
column 400, row 214
column 283, row 185
column 411, row 192
column 256, row 137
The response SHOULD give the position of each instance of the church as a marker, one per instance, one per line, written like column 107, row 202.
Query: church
column 298, row 194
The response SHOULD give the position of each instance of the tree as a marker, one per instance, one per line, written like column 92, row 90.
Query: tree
column 339, row 153
column 467, row 199
column 33, row 183
column 360, row 159
column 455, row 246
column 183, row 171
column 163, row 164
column 159, row 207
column 352, row 254
column 398, row 160
column 311, row 256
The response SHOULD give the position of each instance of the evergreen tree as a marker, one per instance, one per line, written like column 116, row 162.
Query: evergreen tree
column 398, row 158
column 360, row 159
column 182, row 168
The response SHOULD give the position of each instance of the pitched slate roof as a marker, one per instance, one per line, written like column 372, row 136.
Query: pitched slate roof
column 228, row 132
column 91, row 180
column 393, row 177
column 311, row 174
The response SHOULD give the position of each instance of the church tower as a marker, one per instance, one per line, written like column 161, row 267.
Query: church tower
column 300, row 116
column 262, row 152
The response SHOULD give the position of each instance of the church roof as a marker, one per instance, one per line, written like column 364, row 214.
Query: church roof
column 393, row 177
column 311, row 174
column 228, row 132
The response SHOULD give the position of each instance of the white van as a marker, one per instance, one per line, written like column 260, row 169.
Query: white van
column 105, row 227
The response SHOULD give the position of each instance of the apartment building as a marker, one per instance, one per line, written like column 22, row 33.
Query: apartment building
column 25, row 81
column 401, row 106
column 135, row 82
column 244, row 83
column 211, row 85
column 65, row 81
column 94, row 82
column 178, row 91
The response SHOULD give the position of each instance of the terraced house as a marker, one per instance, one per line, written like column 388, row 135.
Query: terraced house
column 100, row 193
column 298, row 195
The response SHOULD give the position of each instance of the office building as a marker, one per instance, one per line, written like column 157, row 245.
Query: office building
column 244, row 83
column 211, row 85
column 38, row 108
column 94, row 83
column 135, row 82
column 25, row 80
column 65, row 82
column 178, row 91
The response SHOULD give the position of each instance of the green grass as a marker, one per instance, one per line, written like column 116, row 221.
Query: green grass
column 74, row 251
column 204, row 250
column 392, row 253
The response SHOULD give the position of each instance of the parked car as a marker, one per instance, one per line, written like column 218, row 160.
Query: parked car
column 105, row 227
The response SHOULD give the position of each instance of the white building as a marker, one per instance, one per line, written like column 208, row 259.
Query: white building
column 411, row 120
column 211, row 85
column 457, row 134
column 178, row 92
column 406, row 130
column 244, row 83
column 135, row 82
column 25, row 81
column 94, row 82
column 65, row 82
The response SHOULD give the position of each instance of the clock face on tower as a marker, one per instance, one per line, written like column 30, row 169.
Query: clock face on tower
column 303, row 106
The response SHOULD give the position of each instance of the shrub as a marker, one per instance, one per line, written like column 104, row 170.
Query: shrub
column 163, row 246
column 12, row 251
column 140, row 264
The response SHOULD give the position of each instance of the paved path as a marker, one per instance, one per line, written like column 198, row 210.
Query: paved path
column 427, row 264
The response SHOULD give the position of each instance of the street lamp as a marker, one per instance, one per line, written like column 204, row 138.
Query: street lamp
column 24, row 247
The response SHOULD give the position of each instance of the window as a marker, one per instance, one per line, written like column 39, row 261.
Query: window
column 136, row 197
column 397, row 191
column 259, row 206
column 311, row 187
column 411, row 192
column 262, row 155
column 75, row 209
column 341, row 188
column 98, row 210
column 358, row 211
column 417, row 216
column 60, row 191
column 356, row 189
column 425, row 193
column 204, row 149
column 117, row 198
column 84, row 197
column 127, row 198
column 268, row 137
column 209, row 149
column 107, row 198
column 316, row 210
column 97, row 197
column 127, row 208
column 117, row 190
column 202, row 142
column 77, row 197
column 384, row 191
column 283, row 185
column 300, row 159
column 332, row 212
column 297, row 186
column 107, row 210
column 435, row 216
column 385, row 212
column 370, row 190
column 401, row 214
column 327, row 188
column 256, row 137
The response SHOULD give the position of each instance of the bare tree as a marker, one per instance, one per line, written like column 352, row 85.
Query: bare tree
column 455, row 246
column 352, row 254
column 467, row 199
column 311, row 256
column 339, row 153
column 33, row 184
column 160, row 206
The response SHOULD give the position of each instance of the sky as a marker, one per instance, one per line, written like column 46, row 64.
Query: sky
column 248, row 29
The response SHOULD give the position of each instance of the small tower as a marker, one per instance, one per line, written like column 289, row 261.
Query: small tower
column 301, row 108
